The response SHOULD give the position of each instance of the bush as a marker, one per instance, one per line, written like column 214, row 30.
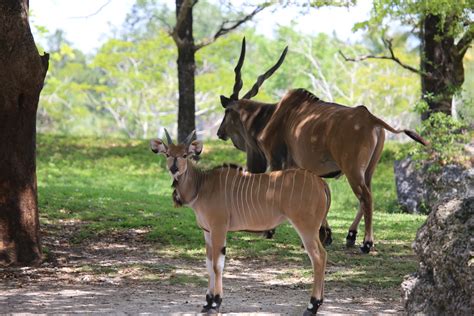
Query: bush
column 447, row 137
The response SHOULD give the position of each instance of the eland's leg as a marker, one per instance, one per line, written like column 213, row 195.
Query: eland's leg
column 369, row 234
column 218, row 250
column 352, row 234
column 364, row 195
column 359, row 173
column 360, row 181
column 317, row 254
column 211, row 275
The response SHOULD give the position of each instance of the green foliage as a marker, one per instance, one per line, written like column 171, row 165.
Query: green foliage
column 447, row 137
column 129, row 86
column 465, row 98
column 64, row 106
column 138, row 83
column 314, row 63
column 410, row 12
column 107, row 185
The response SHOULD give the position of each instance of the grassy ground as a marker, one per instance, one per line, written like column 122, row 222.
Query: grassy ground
column 109, row 185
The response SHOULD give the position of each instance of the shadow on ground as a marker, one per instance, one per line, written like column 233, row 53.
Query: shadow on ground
column 125, row 274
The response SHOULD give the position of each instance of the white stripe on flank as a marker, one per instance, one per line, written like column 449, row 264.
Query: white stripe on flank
column 252, row 210
column 292, row 186
column 281, row 186
column 311, row 192
column 302, row 189
column 259, row 197
column 273, row 193
column 220, row 179
column 266, row 192
column 240, row 189
column 244, row 196
column 249, row 197
column 225, row 190
column 232, row 194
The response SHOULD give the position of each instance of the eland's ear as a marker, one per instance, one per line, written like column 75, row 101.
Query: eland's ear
column 225, row 101
column 158, row 146
column 195, row 148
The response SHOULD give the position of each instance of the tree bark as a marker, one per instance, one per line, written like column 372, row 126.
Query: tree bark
column 22, row 73
column 186, row 69
column 441, row 64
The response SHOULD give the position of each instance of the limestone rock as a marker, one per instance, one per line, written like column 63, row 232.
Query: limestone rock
column 419, row 191
column 444, row 283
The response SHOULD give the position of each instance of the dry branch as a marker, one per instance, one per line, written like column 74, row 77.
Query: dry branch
column 224, row 29
column 388, row 44
column 92, row 14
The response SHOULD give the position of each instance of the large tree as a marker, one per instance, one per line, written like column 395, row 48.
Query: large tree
column 182, row 33
column 445, row 30
column 22, row 73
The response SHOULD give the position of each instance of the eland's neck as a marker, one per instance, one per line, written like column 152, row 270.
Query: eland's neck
column 188, row 184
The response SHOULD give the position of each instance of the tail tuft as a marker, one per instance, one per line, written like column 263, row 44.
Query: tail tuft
column 416, row 137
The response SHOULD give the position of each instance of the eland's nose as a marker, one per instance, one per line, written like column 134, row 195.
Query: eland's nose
column 221, row 135
column 173, row 169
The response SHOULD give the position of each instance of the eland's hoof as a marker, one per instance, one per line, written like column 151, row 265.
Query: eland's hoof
column 351, row 238
column 328, row 239
column 210, row 305
column 366, row 246
column 313, row 307
column 325, row 235
column 269, row 234
column 213, row 304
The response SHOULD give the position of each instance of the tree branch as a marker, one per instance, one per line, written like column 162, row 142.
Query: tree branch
column 224, row 29
column 180, row 17
column 465, row 42
column 166, row 25
column 92, row 14
column 388, row 44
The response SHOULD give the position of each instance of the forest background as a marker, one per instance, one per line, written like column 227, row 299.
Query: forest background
column 128, row 87
column 108, row 224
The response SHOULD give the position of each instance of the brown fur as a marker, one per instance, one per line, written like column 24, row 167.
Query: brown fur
column 229, row 199
column 327, row 138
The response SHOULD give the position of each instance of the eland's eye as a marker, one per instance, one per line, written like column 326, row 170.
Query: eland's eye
column 185, row 156
column 167, row 155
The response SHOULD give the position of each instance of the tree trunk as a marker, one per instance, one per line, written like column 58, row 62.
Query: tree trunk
column 441, row 64
column 22, row 72
column 186, row 70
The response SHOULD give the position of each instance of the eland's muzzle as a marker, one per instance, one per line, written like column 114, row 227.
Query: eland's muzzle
column 222, row 135
column 173, row 169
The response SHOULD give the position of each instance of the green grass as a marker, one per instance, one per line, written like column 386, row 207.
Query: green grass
column 116, row 184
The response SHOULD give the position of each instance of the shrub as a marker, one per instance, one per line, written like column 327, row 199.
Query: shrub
column 447, row 136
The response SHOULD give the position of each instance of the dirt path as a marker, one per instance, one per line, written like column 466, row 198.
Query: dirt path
column 125, row 275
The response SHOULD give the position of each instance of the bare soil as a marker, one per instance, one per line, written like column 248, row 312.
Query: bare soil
column 122, row 273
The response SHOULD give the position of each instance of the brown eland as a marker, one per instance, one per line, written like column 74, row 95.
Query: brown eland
column 228, row 198
column 303, row 131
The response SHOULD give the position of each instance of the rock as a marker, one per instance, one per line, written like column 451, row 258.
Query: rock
column 443, row 284
column 411, row 192
column 420, row 190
